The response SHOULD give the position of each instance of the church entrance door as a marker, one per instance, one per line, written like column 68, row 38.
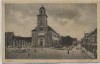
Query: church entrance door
column 41, row 42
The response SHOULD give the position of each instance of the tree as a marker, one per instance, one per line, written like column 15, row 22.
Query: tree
column 67, row 41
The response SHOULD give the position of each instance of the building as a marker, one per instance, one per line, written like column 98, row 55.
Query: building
column 90, row 42
column 8, row 38
column 43, row 35
column 16, row 41
column 19, row 41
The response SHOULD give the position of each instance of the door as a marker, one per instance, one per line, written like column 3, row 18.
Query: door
column 41, row 42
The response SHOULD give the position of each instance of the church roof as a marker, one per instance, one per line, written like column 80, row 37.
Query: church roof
column 34, row 29
column 49, row 29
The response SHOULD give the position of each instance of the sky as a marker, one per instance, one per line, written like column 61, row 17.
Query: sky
column 67, row 19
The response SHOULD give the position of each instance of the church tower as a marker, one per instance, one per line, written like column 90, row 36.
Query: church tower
column 42, row 18
column 42, row 27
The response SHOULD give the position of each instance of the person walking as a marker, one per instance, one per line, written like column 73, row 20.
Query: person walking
column 28, row 54
column 68, row 51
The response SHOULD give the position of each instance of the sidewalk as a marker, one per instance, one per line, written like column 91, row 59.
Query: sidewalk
column 77, row 52
column 90, row 54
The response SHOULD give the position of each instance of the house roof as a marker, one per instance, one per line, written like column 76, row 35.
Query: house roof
column 23, row 38
column 8, row 32
column 93, row 32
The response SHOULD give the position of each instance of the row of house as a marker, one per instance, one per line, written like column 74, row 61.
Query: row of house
column 90, row 42
column 16, row 41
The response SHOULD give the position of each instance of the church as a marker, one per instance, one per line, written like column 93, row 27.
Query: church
column 43, row 35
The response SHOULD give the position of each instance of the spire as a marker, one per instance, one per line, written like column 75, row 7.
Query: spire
column 42, row 10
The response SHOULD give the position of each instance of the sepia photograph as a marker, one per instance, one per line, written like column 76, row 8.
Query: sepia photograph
column 51, row 31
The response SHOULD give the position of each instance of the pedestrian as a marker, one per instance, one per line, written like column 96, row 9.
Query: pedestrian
column 68, row 51
column 28, row 54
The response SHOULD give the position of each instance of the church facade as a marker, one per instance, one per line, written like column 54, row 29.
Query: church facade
column 43, row 35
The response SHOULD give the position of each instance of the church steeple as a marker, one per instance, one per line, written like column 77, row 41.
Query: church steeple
column 42, row 17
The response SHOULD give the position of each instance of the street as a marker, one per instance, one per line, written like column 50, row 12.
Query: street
column 50, row 53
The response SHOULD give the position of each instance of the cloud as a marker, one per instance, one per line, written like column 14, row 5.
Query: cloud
column 66, row 19
column 20, row 24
